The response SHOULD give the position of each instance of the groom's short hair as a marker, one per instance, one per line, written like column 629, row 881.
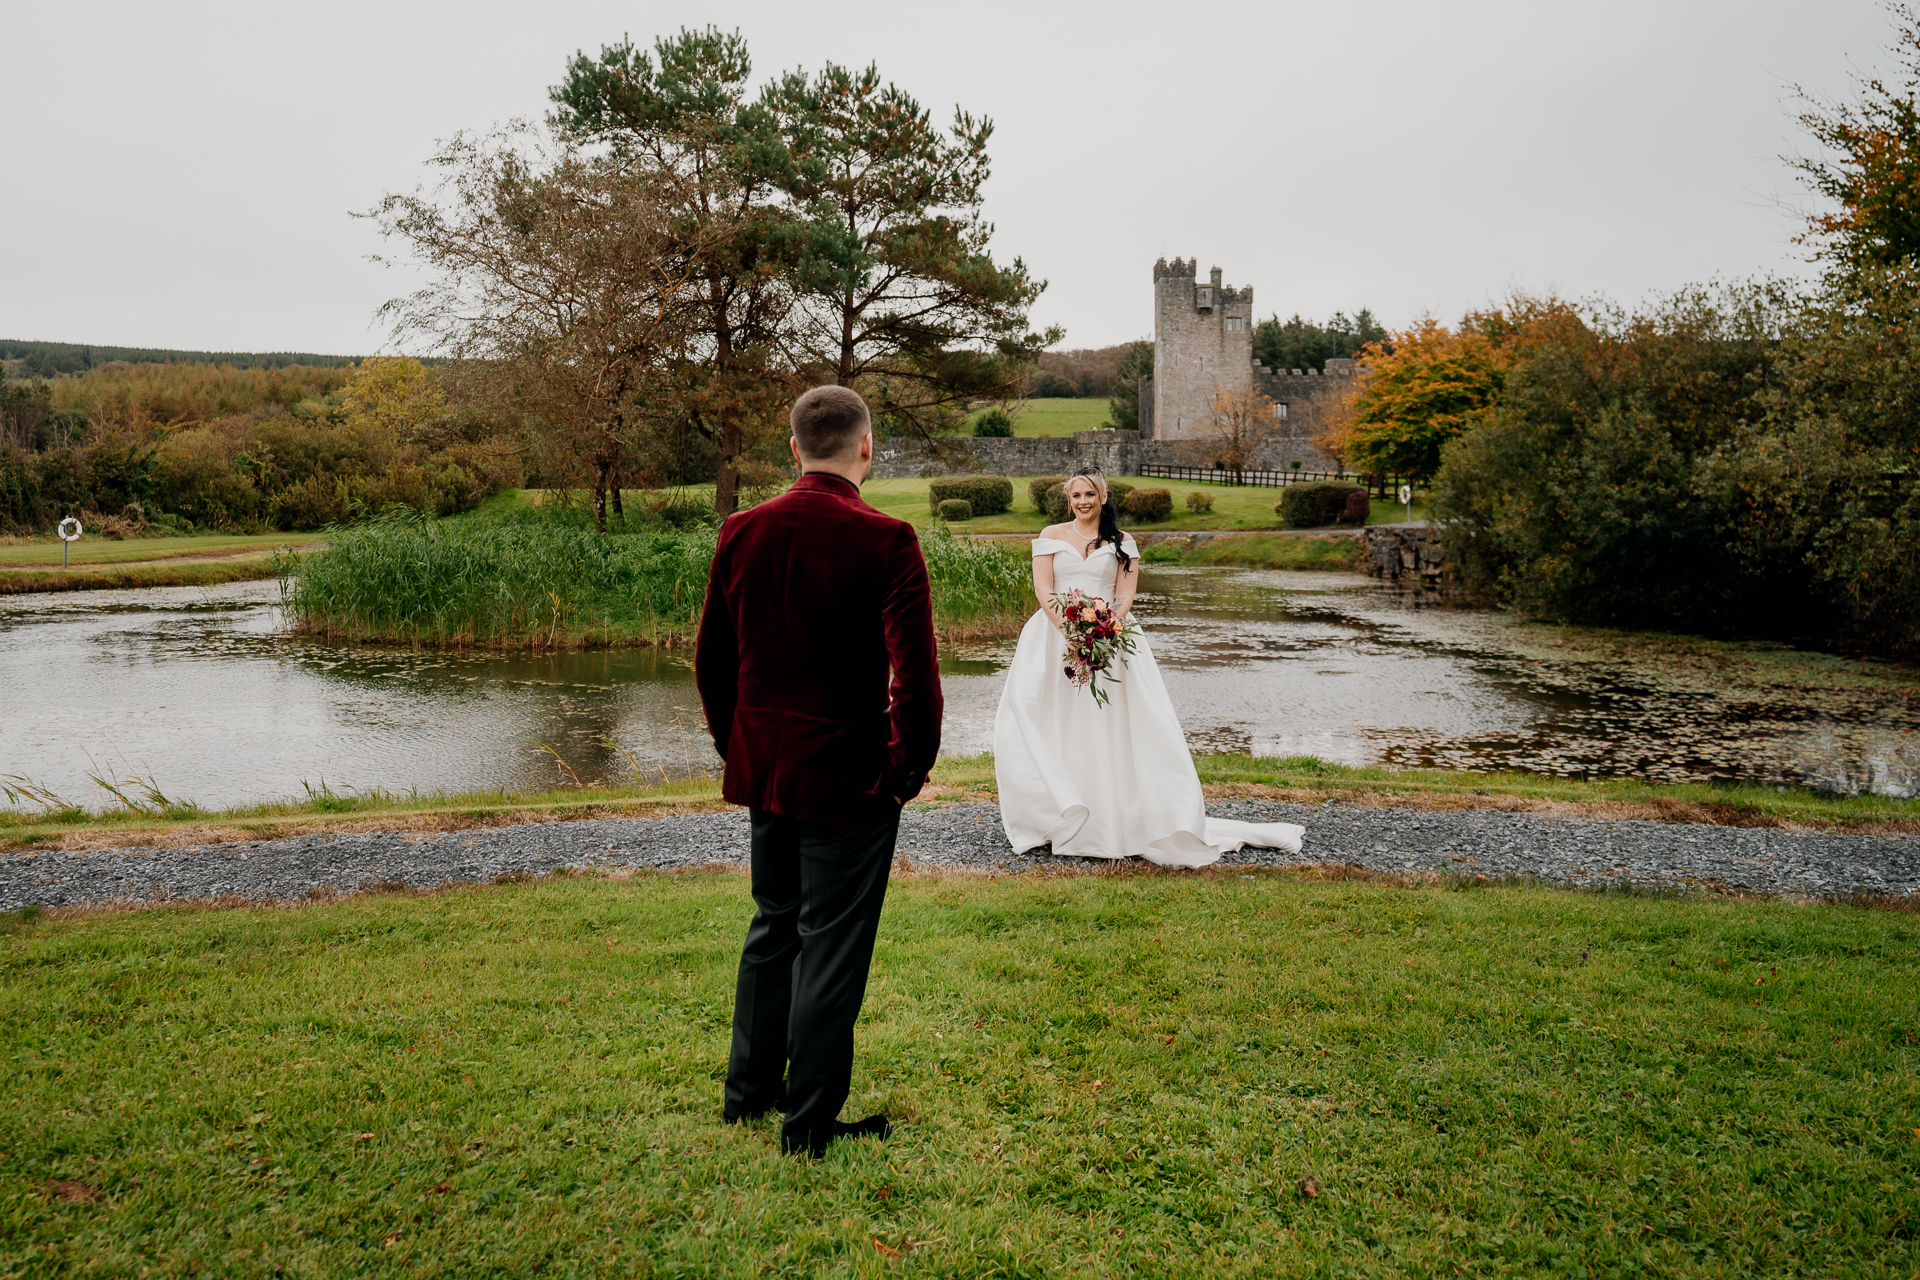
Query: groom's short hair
column 827, row 421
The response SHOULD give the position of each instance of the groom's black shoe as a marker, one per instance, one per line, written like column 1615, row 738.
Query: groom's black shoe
column 815, row 1144
column 739, row 1115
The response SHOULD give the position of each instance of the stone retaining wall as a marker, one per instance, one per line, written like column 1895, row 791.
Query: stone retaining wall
column 1409, row 553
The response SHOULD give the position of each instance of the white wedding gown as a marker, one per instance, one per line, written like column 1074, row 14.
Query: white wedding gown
column 1113, row 781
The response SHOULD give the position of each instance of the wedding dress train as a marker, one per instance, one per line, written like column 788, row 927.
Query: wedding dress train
column 1113, row 781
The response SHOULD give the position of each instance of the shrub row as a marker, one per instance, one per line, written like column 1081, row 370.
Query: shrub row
column 1322, row 502
column 985, row 495
column 249, row 475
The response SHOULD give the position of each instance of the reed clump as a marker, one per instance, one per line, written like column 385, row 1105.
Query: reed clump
column 528, row 578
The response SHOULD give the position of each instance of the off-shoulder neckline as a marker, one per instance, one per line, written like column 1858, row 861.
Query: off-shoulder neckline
column 1126, row 540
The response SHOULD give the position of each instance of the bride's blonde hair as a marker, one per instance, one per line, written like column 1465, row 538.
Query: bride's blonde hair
column 1092, row 476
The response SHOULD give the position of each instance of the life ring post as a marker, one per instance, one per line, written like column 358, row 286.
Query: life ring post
column 69, row 531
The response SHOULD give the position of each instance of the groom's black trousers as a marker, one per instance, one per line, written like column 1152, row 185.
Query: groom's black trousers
column 803, row 972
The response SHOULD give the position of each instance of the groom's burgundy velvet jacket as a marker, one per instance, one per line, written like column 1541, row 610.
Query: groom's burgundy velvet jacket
column 814, row 599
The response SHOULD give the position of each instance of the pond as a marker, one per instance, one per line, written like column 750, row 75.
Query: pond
column 202, row 692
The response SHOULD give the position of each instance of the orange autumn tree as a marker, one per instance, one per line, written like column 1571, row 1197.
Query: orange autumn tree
column 1420, row 395
column 1433, row 383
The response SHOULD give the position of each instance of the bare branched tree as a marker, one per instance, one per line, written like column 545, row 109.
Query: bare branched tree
column 560, row 271
column 1236, row 423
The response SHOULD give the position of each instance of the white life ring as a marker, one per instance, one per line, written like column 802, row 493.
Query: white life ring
column 70, row 530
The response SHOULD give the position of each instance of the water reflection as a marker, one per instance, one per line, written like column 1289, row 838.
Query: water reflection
column 202, row 691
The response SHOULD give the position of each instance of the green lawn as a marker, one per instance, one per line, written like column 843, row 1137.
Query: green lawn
column 41, row 553
column 1057, row 416
column 1234, row 507
column 1141, row 1075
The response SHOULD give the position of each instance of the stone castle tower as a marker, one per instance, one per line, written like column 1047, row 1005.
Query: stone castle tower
column 1203, row 346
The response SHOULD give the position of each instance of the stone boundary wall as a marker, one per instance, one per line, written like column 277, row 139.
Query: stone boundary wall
column 1120, row 453
column 1408, row 553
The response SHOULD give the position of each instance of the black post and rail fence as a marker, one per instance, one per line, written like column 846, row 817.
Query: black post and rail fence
column 1379, row 481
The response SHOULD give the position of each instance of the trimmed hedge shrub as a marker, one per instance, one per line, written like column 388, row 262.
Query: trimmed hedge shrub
column 1117, row 491
column 987, row 495
column 1317, row 503
column 1150, row 505
column 1056, row 508
column 1199, row 502
column 1038, row 487
column 994, row 423
column 1358, row 508
column 952, row 509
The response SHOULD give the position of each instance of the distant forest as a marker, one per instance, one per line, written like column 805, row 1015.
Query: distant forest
column 50, row 359
column 1301, row 344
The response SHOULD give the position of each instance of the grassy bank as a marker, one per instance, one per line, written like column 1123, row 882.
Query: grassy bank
column 33, row 564
column 524, row 578
column 1276, row 552
column 196, row 573
column 1145, row 1075
column 1301, row 779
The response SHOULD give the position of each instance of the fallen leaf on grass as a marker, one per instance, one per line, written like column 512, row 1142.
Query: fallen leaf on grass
column 441, row 1188
column 1170, row 1039
column 366, row 1137
column 885, row 1248
column 1310, row 1188
column 72, row 1191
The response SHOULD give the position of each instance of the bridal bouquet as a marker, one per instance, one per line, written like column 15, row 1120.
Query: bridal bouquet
column 1096, row 640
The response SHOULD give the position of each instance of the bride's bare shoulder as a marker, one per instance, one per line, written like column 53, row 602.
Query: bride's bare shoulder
column 1055, row 531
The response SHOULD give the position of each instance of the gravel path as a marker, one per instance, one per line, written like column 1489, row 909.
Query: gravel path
column 1475, row 842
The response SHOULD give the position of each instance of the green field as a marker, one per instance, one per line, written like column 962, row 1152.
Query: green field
column 1141, row 1075
column 1056, row 416
column 44, row 553
column 1234, row 507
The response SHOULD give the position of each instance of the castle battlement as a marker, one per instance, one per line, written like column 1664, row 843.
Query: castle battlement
column 1203, row 348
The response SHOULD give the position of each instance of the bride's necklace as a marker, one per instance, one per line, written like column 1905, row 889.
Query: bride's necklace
column 1092, row 542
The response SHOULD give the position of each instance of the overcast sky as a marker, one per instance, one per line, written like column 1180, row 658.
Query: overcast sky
column 181, row 175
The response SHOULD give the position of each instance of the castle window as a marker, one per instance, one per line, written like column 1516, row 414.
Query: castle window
column 1234, row 322
column 1279, row 411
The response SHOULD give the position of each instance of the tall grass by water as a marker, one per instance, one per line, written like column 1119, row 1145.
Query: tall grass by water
column 526, row 578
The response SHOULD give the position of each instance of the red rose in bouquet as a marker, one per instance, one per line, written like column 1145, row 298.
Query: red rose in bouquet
column 1096, row 640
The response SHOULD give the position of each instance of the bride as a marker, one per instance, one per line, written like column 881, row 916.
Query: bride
column 1113, row 781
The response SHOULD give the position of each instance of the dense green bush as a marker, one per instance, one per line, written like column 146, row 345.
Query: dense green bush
column 1314, row 504
column 993, row 424
column 1738, row 462
column 955, row 509
column 1150, row 505
column 1039, row 487
column 988, row 495
column 1199, row 502
column 1117, row 491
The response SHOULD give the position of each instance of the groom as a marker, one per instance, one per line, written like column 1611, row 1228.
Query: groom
column 817, row 669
